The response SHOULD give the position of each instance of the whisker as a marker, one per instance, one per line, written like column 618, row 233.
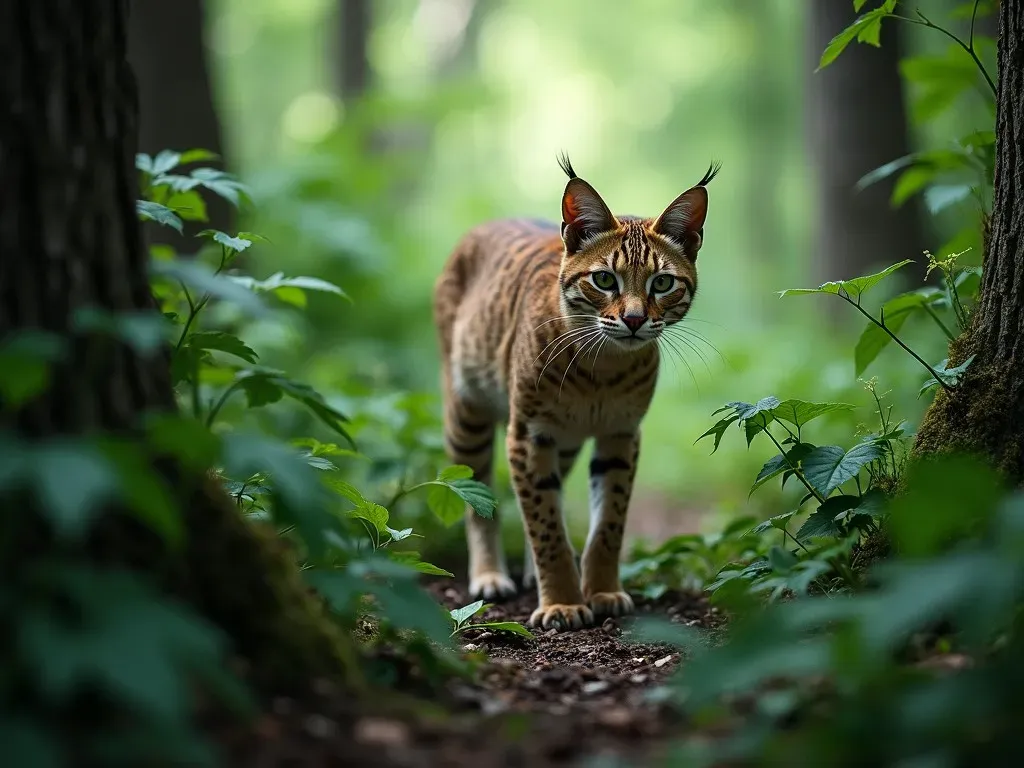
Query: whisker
column 558, row 338
column 562, row 317
column 590, row 341
column 670, row 342
column 597, row 334
column 695, row 336
column 584, row 334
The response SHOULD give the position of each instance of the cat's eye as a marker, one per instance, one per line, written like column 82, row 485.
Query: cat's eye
column 662, row 283
column 604, row 280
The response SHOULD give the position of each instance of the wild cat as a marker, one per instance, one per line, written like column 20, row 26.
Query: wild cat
column 552, row 331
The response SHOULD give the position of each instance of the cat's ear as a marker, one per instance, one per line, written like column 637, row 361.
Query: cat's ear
column 584, row 214
column 683, row 220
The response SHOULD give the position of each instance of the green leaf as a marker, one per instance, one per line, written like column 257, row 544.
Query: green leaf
column 825, row 520
column 854, row 288
column 718, row 431
column 278, row 281
column 197, row 156
column 189, row 205
column 161, row 214
column 464, row 614
column 754, row 417
column 778, row 522
column 781, row 559
column 895, row 313
column 938, row 197
column 147, row 494
column 938, row 81
column 951, row 376
column 266, row 385
column 412, row 559
column 185, row 438
column 947, row 498
column 799, row 412
column 222, row 342
column 446, row 505
column 200, row 277
column 780, row 463
column 506, row 626
column 347, row 490
column 25, row 361
column 221, row 184
column 455, row 472
column 299, row 496
column 165, row 161
column 829, row 466
column 865, row 29
column 236, row 244
column 477, row 495
column 372, row 513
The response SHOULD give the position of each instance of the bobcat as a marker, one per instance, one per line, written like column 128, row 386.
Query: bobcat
column 555, row 336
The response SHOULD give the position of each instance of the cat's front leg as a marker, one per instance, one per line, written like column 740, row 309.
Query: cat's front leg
column 612, row 470
column 534, row 466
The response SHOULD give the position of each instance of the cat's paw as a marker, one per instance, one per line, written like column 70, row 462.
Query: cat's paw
column 562, row 616
column 611, row 603
column 491, row 585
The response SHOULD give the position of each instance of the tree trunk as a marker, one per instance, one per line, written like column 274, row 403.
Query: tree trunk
column 985, row 413
column 351, row 57
column 177, row 108
column 69, row 239
column 856, row 121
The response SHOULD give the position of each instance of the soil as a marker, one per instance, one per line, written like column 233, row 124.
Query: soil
column 560, row 699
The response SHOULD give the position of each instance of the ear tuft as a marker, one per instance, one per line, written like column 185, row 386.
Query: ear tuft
column 565, row 165
column 584, row 214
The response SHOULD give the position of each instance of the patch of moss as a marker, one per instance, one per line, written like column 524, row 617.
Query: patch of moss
column 980, row 416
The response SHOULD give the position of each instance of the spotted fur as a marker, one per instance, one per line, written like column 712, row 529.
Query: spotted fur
column 553, row 332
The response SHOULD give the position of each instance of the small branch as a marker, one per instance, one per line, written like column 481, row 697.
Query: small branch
column 215, row 409
column 934, row 315
column 924, row 21
column 881, row 324
column 796, row 470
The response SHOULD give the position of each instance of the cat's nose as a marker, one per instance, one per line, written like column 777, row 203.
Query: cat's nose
column 633, row 322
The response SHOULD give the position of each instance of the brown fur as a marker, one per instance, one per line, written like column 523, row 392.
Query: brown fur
column 530, row 339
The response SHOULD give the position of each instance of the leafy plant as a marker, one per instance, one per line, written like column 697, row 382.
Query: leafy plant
column 462, row 616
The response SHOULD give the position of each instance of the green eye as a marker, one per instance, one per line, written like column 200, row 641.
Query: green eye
column 604, row 280
column 663, row 283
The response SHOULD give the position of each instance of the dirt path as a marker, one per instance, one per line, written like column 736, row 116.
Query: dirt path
column 558, row 700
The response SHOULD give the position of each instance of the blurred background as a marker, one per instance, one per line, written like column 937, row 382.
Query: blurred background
column 375, row 132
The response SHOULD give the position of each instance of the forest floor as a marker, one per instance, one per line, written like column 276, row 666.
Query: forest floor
column 560, row 699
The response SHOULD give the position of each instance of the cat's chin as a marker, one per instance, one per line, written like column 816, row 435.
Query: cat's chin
column 629, row 343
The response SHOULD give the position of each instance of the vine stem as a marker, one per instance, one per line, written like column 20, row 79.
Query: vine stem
column 924, row 21
column 881, row 324
column 938, row 320
column 796, row 470
column 215, row 408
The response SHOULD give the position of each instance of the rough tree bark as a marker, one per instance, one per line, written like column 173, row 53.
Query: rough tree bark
column 177, row 108
column 856, row 120
column 985, row 413
column 69, row 238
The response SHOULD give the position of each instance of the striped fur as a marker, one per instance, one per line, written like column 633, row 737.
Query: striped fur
column 553, row 332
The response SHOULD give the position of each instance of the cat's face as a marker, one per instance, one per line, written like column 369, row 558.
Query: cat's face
column 628, row 279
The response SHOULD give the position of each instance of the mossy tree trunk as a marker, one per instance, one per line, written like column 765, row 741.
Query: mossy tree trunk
column 985, row 413
column 70, row 238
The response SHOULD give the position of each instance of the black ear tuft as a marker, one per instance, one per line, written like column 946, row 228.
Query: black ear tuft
column 713, row 170
column 565, row 165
